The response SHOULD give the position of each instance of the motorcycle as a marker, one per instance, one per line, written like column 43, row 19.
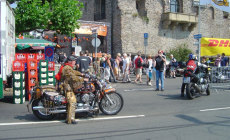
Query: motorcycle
column 196, row 82
column 46, row 102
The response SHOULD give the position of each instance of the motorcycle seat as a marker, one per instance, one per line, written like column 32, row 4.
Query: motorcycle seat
column 50, row 95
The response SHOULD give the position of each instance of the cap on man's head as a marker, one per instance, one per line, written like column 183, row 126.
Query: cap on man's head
column 70, row 58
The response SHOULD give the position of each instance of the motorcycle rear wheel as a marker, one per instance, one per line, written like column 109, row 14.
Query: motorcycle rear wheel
column 111, row 109
column 41, row 114
column 190, row 91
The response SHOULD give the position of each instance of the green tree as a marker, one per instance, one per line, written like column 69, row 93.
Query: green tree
column 181, row 52
column 57, row 15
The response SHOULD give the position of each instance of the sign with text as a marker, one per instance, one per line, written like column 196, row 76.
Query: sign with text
column 214, row 46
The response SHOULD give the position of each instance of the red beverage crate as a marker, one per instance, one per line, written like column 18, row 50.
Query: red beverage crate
column 32, row 73
column 21, row 56
column 40, row 56
column 18, row 66
column 31, row 56
column 32, row 64
column 51, row 66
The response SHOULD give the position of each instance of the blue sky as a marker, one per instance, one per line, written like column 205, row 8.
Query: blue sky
column 14, row 5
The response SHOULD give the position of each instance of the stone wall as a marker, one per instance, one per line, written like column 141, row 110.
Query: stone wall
column 129, row 28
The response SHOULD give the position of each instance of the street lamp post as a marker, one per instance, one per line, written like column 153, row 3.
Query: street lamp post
column 94, row 31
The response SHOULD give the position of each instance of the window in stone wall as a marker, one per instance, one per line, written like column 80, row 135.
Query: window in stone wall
column 174, row 6
column 226, row 14
column 99, row 10
column 140, row 6
column 85, row 7
column 212, row 12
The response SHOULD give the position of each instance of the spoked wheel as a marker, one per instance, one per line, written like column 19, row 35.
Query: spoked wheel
column 190, row 91
column 41, row 114
column 111, row 103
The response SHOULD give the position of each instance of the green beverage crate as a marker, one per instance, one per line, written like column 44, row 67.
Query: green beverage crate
column 18, row 83
column 19, row 100
column 43, row 81
column 19, row 75
column 19, row 95
column 51, row 78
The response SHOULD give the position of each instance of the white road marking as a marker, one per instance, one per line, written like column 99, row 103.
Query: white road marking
column 145, row 89
column 213, row 109
column 79, row 120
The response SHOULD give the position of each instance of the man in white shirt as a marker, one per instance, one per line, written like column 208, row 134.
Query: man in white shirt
column 126, row 62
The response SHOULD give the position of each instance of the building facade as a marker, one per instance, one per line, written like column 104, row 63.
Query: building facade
column 169, row 23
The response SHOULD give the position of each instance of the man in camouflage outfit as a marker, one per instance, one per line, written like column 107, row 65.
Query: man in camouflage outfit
column 72, row 80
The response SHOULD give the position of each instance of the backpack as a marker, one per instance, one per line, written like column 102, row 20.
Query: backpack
column 139, row 63
column 191, row 65
column 146, row 65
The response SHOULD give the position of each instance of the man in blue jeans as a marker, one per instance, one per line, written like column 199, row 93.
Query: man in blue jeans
column 160, row 60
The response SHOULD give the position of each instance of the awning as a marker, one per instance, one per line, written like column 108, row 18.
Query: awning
column 38, row 43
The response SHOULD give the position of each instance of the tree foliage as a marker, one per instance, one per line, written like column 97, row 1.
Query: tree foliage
column 56, row 15
column 181, row 52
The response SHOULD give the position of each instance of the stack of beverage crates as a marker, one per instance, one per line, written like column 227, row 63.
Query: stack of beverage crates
column 32, row 73
column 43, row 72
column 18, row 82
column 51, row 73
column 33, row 68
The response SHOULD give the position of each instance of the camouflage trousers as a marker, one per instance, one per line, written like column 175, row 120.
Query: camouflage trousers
column 71, row 106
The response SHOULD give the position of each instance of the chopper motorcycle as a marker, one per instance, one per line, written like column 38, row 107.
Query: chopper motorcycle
column 46, row 102
column 196, row 82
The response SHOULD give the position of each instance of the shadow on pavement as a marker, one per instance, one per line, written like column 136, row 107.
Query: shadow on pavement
column 7, row 99
column 173, row 97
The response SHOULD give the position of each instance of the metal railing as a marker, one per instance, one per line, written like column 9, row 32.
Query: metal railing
column 220, row 77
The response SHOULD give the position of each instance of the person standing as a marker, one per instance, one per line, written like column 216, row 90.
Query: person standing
column 83, row 62
column 173, row 65
column 72, row 80
column 107, row 68
column 116, row 67
column 218, row 61
column 126, row 68
column 112, row 75
column 149, row 64
column 224, row 60
column 160, row 62
column 138, row 67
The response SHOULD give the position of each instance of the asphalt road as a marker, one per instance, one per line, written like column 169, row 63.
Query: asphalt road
column 146, row 115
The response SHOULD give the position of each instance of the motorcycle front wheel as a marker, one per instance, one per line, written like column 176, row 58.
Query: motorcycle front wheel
column 190, row 91
column 41, row 114
column 111, row 103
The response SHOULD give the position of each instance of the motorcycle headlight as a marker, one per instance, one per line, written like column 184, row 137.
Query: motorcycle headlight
column 38, row 93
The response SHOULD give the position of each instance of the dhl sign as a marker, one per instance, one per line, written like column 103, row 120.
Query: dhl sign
column 214, row 46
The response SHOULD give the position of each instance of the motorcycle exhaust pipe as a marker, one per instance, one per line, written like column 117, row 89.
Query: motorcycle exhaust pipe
column 77, row 111
column 64, row 110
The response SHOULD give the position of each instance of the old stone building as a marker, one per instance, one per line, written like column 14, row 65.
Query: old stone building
column 169, row 23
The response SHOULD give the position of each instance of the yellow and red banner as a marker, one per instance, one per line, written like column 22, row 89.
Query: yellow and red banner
column 214, row 46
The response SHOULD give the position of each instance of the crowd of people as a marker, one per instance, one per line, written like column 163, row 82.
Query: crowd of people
column 122, row 66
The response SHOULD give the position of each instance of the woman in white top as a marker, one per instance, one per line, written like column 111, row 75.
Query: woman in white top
column 149, row 63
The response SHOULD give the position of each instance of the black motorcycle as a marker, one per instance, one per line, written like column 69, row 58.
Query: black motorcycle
column 196, row 82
